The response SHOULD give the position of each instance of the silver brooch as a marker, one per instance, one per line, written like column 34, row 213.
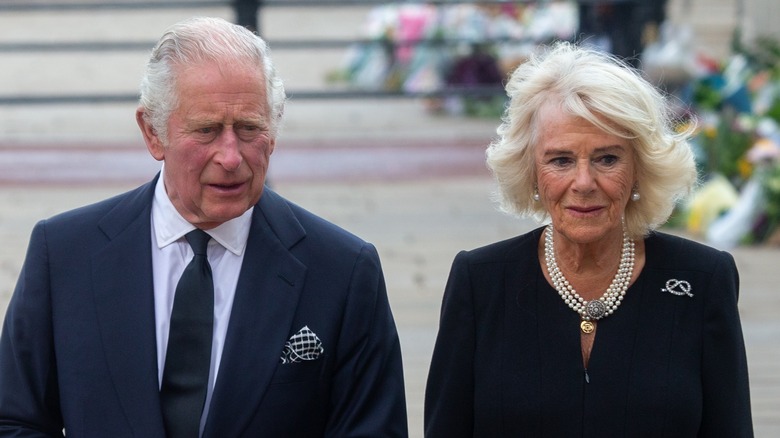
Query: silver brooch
column 677, row 287
column 595, row 309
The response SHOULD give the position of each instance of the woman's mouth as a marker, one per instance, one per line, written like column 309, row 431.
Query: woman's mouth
column 585, row 211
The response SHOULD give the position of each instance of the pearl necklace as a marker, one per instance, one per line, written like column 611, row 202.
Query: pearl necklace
column 594, row 309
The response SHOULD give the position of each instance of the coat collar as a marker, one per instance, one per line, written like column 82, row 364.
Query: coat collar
column 123, row 287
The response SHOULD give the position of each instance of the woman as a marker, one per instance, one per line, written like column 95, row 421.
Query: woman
column 596, row 324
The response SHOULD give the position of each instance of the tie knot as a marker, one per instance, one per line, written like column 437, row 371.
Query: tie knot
column 198, row 240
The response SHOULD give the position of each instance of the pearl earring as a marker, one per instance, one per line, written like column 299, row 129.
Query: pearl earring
column 635, row 196
column 536, row 196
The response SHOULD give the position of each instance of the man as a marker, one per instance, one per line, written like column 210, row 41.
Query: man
column 297, row 339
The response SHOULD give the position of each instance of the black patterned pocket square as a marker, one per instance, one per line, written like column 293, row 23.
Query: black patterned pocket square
column 304, row 345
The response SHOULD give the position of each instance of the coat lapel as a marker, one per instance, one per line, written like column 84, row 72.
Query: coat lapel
column 266, row 299
column 124, row 297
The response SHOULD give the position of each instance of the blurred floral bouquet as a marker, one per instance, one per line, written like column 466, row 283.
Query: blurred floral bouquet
column 456, row 54
column 738, row 149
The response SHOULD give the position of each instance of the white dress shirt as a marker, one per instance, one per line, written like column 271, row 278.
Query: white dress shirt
column 171, row 254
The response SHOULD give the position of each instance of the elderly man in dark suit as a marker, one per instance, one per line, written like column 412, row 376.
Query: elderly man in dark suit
column 280, row 324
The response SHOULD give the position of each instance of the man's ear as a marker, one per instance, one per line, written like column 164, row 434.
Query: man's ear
column 153, row 142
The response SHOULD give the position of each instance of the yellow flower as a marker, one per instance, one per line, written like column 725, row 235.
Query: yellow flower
column 745, row 168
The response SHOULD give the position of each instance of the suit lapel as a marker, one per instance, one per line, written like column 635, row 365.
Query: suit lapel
column 124, row 297
column 266, row 299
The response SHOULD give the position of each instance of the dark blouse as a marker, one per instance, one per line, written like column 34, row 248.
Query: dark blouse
column 508, row 363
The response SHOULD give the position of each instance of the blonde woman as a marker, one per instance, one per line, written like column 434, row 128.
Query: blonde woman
column 595, row 324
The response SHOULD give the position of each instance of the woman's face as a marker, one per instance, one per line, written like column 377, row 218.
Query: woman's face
column 584, row 175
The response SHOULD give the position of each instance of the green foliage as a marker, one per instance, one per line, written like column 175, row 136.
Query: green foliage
column 763, row 54
column 706, row 96
column 771, row 186
column 725, row 146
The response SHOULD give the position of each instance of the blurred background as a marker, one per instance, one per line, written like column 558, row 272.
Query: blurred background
column 391, row 107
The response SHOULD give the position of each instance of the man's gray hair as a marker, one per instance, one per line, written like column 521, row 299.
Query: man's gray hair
column 199, row 40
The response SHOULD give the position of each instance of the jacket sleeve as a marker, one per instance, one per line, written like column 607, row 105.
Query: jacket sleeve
column 726, row 397
column 368, row 396
column 449, row 393
column 29, row 400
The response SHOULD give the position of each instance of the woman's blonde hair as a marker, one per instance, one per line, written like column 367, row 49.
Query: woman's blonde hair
column 606, row 92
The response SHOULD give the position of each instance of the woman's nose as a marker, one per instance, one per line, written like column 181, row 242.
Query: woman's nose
column 583, row 179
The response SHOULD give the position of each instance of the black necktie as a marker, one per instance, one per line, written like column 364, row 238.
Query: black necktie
column 186, row 373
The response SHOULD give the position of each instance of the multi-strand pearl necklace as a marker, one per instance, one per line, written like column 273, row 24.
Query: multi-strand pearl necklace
column 594, row 309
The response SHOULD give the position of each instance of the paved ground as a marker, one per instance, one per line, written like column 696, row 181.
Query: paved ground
column 412, row 183
column 418, row 223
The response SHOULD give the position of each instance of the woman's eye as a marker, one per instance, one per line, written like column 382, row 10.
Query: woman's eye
column 609, row 159
column 560, row 161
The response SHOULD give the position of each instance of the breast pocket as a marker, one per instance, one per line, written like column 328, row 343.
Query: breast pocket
column 307, row 370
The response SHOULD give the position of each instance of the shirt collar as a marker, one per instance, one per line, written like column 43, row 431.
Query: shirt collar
column 170, row 226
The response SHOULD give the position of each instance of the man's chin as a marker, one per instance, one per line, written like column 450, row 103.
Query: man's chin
column 215, row 217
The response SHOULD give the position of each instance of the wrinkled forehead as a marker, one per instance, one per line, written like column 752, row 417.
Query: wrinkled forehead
column 578, row 106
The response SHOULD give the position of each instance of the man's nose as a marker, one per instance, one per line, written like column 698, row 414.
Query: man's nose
column 229, row 155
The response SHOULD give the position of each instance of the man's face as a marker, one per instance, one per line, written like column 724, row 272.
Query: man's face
column 219, row 143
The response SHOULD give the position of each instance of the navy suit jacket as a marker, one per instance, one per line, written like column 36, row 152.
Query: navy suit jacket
column 78, row 347
column 508, row 361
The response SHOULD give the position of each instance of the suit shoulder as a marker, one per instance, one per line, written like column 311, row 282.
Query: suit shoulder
column 315, row 222
column 321, row 231
column 675, row 252
column 512, row 249
column 94, row 211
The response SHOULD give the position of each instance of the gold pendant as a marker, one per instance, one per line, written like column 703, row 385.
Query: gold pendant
column 587, row 327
